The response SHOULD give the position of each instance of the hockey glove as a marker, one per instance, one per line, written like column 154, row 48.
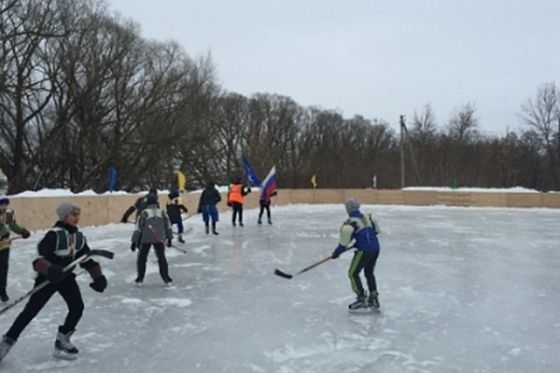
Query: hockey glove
column 25, row 234
column 339, row 250
column 99, row 284
column 133, row 246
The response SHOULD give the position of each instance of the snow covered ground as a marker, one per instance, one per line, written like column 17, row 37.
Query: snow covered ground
column 461, row 290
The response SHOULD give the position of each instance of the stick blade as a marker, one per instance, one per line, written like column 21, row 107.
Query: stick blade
column 104, row 253
column 278, row 272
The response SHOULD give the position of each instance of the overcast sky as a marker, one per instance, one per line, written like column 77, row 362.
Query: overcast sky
column 375, row 58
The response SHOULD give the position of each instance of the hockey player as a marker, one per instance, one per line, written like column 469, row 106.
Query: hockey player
column 363, row 229
column 235, row 199
column 152, row 228
column 60, row 246
column 7, row 223
column 174, row 209
column 209, row 198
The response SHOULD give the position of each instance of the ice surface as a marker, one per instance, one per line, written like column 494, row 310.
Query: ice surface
column 461, row 290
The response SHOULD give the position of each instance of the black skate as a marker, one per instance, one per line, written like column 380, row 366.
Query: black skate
column 359, row 303
column 5, row 346
column 181, row 239
column 373, row 300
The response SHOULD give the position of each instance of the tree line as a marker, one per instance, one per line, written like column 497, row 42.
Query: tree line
column 81, row 91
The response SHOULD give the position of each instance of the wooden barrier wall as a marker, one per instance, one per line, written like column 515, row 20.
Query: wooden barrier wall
column 39, row 212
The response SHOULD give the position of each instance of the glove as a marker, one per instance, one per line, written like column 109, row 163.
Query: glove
column 339, row 250
column 99, row 284
column 199, row 211
column 25, row 234
column 169, row 242
column 133, row 246
column 55, row 273
column 124, row 220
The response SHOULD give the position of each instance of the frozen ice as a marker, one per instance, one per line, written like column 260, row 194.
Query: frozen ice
column 461, row 290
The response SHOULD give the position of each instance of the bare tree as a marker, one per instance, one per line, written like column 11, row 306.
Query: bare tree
column 543, row 116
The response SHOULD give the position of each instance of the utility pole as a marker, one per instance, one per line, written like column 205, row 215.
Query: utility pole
column 402, row 151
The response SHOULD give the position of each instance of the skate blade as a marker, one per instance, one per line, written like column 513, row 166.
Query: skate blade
column 363, row 311
column 58, row 354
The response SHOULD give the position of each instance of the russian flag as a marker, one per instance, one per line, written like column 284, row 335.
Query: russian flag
column 269, row 184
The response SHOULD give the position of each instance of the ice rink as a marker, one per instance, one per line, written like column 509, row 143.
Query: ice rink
column 461, row 290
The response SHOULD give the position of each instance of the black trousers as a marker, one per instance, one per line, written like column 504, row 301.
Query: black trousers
column 264, row 206
column 143, row 257
column 70, row 292
column 4, row 261
column 237, row 210
column 363, row 261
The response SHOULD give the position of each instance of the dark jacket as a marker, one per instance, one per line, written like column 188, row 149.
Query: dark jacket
column 209, row 196
column 63, row 244
column 152, row 227
column 174, row 209
column 139, row 206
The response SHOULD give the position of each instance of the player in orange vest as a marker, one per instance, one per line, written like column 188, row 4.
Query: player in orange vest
column 235, row 199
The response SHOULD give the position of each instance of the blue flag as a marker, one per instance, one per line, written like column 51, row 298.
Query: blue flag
column 112, row 178
column 251, row 176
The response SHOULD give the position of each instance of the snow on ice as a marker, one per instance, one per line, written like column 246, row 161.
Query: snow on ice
column 461, row 290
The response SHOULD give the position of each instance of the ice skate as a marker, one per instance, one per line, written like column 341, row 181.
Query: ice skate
column 373, row 300
column 63, row 348
column 359, row 303
column 5, row 346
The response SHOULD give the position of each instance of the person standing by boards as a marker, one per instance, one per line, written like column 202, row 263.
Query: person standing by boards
column 236, row 198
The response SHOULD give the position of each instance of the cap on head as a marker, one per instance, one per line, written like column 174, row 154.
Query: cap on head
column 151, row 199
column 4, row 200
column 153, row 191
column 352, row 204
column 64, row 209
column 238, row 181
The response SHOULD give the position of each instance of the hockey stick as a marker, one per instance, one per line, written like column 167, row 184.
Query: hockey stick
column 288, row 276
column 104, row 253
column 9, row 241
column 186, row 231
column 156, row 235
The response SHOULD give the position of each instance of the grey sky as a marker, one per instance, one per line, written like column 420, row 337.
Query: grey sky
column 374, row 58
